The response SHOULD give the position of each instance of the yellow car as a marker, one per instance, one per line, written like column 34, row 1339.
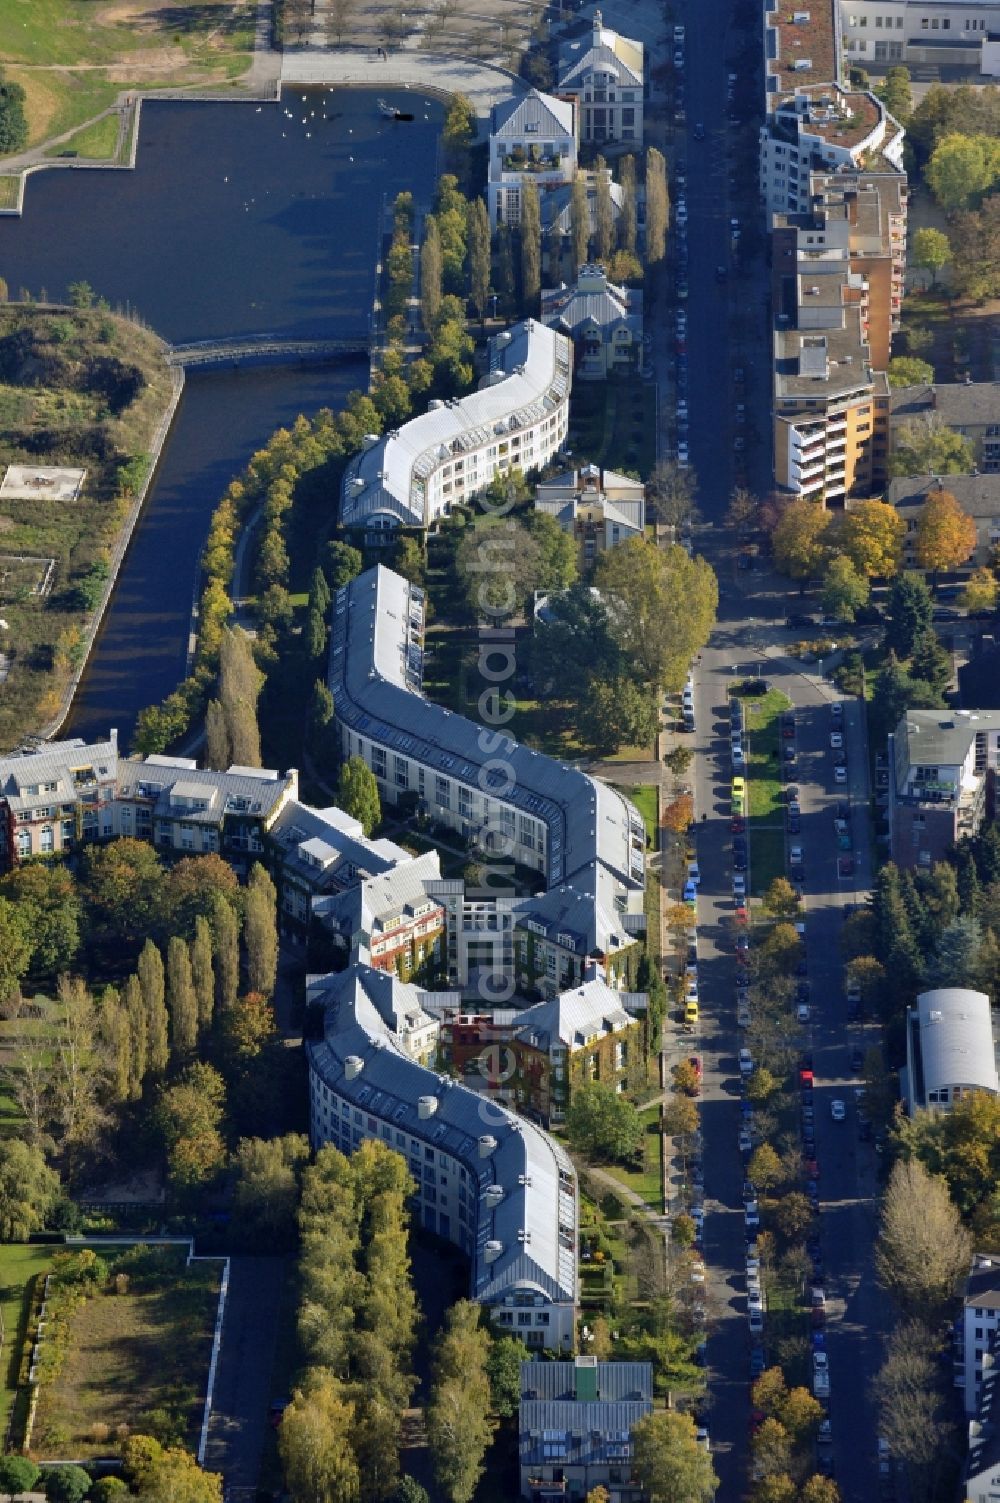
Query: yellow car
column 690, row 1011
column 739, row 789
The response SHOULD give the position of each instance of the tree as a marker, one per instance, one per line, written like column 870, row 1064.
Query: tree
column 358, row 793
column 800, row 541
column 66, row 1484
column 531, row 245
column 28, row 1190
column 409, row 1490
column 431, row 272
column 765, row 1168
column 618, row 712
column 819, row 1489
column 479, row 255
column 556, row 553
column 930, row 663
column 15, row 946
column 657, row 206
column 975, row 272
column 459, row 1429
column 792, row 1215
column 77, row 1073
column 743, row 510
column 771, row 1447
column 680, row 1117
column 579, row 215
column 315, row 1443
column 574, row 643
column 225, row 952
column 800, row 1413
column 871, row 536
column 911, row 1414
column 661, row 607
column 908, row 613
column 922, row 1250
column 604, row 219
column 671, row 1465
column 602, row 1124
column 175, row 1477
column 189, row 1116
column 503, row 1368
column 116, row 1045
column 627, row 224
column 266, row 1191
column 182, row 1002
column 202, row 974
column 845, row 591
column 341, row 564
column 946, row 535
column 679, row 759
column 961, row 168
column 260, row 933
column 926, row 446
column 217, row 754
column 896, row 96
column 48, row 898
column 670, row 491
column 153, row 983
column 13, row 121
column 907, row 370
column 18, row 1474
column 134, row 1005
column 505, row 268
column 685, row 1078
column 240, row 683
column 979, row 596
column 777, row 1487
column 930, row 249
column 781, row 898
column 498, row 562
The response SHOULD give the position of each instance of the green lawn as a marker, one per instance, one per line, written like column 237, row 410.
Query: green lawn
column 613, row 423
column 762, row 715
column 647, row 1181
column 18, row 1265
column 767, row 856
column 96, row 142
column 645, row 800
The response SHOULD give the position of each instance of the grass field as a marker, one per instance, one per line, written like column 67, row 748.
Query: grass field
column 74, row 57
column 96, row 142
column 130, row 1356
column 762, row 715
column 647, row 1181
column 18, row 1266
column 644, row 798
column 10, row 187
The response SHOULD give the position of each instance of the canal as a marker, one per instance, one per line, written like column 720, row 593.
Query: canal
column 238, row 219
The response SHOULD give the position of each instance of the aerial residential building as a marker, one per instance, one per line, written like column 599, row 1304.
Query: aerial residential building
column 971, row 408
column 494, row 1184
column 557, row 208
column 603, row 321
column 982, row 1468
column 977, row 495
column 321, row 851
column 950, row 1050
column 575, row 1424
column 390, row 920
column 506, row 801
column 942, row 771
column 56, row 798
column 604, row 72
column 822, row 128
column 598, row 507
column 532, row 136
column 938, row 33
column 978, row 1330
column 517, row 420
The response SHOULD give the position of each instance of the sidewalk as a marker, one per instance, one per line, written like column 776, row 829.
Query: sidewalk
column 434, row 72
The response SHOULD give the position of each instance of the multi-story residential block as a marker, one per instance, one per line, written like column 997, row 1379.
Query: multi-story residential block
column 881, row 33
column 391, row 921
column 827, row 411
column 517, row 420
column 942, row 775
column 822, row 128
column 604, row 72
column 598, row 507
column 557, row 208
column 950, row 1049
column 977, row 1330
column 575, row 1423
column 322, row 851
column 603, row 321
column 556, row 933
column 855, row 232
column 971, row 408
column 532, row 136
column 978, row 496
column 492, row 1183
column 535, row 1058
column 982, row 1469
column 68, row 793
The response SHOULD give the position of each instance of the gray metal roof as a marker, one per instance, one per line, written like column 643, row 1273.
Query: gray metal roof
column 258, row 792
column 577, row 1434
column 540, row 115
column 375, row 677
column 68, row 765
column 574, row 1018
column 956, row 1039
column 536, row 1220
column 339, row 850
column 592, row 300
column 958, row 403
column 978, row 495
column 617, row 1382
column 939, row 738
column 357, row 912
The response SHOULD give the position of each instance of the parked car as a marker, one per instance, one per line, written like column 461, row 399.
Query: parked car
column 840, row 774
column 690, row 892
column 746, row 1062
column 739, row 886
column 838, row 1111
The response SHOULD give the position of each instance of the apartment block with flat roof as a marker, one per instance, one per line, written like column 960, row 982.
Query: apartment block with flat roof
column 822, row 128
column 942, row 776
column 941, row 33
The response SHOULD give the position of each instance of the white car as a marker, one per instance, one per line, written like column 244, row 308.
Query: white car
column 739, row 886
column 739, row 761
column 802, row 1013
column 838, row 1111
column 840, row 774
column 683, row 455
column 836, row 740
column 697, row 1271
column 746, row 1062
column 697, row 1214
column 702, row 1438
column 820, row 1362
column 795, row 855
column 743, row 1017
column 746, row 1140
column 755, row 1300
column 681, row 213
column 756, row 1322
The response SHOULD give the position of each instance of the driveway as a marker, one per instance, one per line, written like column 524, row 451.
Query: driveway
column 238, row 1424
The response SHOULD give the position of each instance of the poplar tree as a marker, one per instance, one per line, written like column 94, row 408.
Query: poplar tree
column 458, row 1415
column 153, row 984
column 657, row 206
column 579, row 219
column 431, row 271
column 260, row 934
column 627, row 225
column 113, row 1029
column 135, row 1007
column 225, row 952
column 479, row 255
column 216, row 737
column 604, row 213
column 505, row 268
column 240, row 682
column 531, row 246
column 201, row 970
column 182, row 1004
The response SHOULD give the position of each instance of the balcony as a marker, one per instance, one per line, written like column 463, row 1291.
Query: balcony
column 536, row 161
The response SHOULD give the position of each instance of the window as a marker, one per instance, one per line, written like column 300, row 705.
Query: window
column 48, row 839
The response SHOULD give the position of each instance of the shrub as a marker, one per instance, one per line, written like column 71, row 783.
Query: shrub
column 18, row 1474
column 66, row 1484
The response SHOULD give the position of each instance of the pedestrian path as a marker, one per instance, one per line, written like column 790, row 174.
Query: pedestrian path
column 484, row 84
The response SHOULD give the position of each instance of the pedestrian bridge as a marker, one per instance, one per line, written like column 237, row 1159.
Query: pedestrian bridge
column 273, row 349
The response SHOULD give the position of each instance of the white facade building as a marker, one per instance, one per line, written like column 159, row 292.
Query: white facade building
column 950, row 1052
column 884, row 33
column 517, row 420
column 532, row 137
column 822, row 128
column 604, row 72
column 980, row 1323
column 495, row 1185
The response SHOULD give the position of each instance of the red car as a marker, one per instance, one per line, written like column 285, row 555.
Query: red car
column 694, row 1061
column 805, row 1076
column 737, row 824
column 742, row 915
column 811, row 1168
